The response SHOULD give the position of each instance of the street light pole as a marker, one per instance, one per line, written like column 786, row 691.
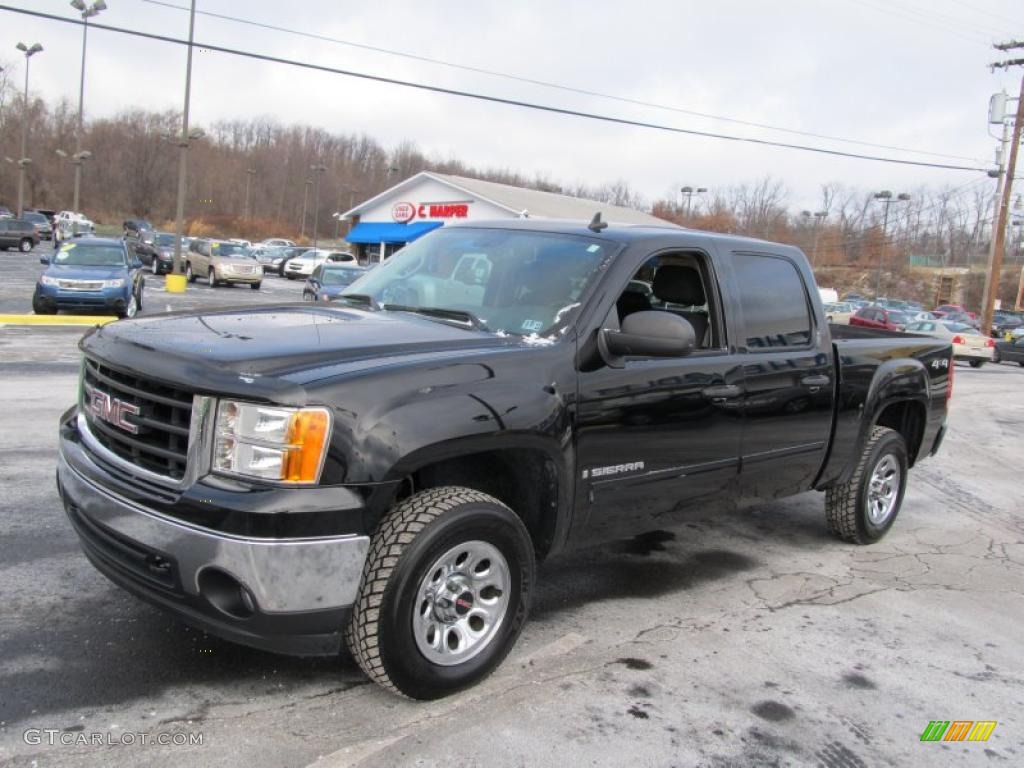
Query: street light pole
column 886, row 198
column 818, row 217
column 305, row 205
column 688, row 193
column 249, row 173
column 80, row 155
column 318, row 171
column 179, row 225
column 23, row 161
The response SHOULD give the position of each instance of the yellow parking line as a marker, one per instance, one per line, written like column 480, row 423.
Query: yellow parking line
column 55, row 319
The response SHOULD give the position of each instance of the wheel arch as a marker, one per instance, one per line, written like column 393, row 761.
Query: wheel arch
column 525, row 472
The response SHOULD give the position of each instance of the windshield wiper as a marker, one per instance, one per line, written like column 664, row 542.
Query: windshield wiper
column 442, row 314
column 361, row 298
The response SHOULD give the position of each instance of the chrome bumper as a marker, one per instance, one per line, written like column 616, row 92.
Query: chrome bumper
column 282, row 575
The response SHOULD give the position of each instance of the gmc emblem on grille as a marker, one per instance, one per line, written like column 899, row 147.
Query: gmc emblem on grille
column 110, row 409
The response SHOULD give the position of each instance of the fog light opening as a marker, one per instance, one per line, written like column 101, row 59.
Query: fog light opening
column 226, row 593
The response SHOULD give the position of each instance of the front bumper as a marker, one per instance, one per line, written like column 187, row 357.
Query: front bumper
column 298, row 592
column 231, row 278
column 110, row 300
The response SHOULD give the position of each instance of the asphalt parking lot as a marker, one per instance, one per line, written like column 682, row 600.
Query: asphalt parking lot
column 745, row 639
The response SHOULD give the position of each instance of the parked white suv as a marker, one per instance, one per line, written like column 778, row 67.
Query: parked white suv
column 303, row 266
column 67, row 224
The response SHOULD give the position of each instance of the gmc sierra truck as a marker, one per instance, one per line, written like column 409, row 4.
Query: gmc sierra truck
column 384, row 471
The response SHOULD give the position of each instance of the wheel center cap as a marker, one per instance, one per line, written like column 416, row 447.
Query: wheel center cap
column 453, row 600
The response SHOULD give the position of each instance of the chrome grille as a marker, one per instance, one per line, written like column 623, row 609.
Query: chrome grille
column 139, row 420
column 80, row 285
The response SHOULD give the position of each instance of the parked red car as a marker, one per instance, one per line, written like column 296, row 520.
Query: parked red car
column 874, row 316
column 944, row 309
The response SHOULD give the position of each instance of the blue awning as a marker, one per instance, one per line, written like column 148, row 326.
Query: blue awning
column 390, row 232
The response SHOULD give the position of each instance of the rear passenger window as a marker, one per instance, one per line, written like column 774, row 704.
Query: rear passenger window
column 773, row 301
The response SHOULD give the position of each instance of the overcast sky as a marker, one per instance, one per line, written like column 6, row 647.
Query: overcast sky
column 908, row 73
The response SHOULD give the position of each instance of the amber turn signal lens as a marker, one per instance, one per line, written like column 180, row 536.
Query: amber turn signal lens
column 307, row 441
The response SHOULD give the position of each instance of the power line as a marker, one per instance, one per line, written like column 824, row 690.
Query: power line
column 919, row 18
column 556, row 86
column 981, row 28
column 976, row 9
column 500, row 100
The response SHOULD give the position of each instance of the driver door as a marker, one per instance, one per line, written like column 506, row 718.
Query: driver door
column 659, row 438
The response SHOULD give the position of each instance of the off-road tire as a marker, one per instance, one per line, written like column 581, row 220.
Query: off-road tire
column 406, row 544
column 845, row 505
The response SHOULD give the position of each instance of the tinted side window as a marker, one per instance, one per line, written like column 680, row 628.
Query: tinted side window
column 774, row 304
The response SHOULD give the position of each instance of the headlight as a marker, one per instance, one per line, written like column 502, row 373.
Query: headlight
column 271, row 442
column 113, row 283
column 48, row 280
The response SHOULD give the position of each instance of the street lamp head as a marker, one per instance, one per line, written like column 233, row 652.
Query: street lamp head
column 78, row 5
column 85, row 154
column 805, row 214
column 903, row 196
column 820, row 214
column 99, row 5
column 61, row 152
column 885, row 194
column 701, row 190
column 687, row 190
column 196, row 133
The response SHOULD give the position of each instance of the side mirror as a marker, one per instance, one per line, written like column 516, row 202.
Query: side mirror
column 44, row 259
column 648, row 334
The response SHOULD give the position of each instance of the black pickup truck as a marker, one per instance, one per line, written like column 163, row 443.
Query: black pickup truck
column 385, row 470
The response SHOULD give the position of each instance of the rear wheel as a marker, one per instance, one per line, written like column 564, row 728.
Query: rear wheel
column 255, row 286
column 189, row 274
column 211, row 277
column 977, row 363
column 863, row 510
column 26, row 245
column 444, row 594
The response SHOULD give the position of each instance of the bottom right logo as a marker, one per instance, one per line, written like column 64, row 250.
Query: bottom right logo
column 958, row 730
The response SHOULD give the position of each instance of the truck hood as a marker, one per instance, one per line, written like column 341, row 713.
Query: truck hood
column 78, row 272
column 276, row 349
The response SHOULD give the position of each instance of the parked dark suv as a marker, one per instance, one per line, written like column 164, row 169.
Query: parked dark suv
column 42, row 223
column 136, row 227
column 18, row 233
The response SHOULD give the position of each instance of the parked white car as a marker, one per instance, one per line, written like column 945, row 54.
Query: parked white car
column 968, row 342
column 303, row 266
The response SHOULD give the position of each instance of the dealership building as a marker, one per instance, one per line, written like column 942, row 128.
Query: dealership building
column 428, row 200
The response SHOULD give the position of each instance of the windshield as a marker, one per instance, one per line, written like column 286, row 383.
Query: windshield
column 512, row 281
column 897, row 317
column 340, row 276
column 232, row 250
column 29, row 216
column 82, row 255
column 166, row 239
column 958, row 327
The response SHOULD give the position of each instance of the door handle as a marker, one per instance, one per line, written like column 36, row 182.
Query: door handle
column 722, row 392
column 815, row 381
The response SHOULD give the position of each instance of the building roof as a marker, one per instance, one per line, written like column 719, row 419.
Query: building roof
column 519, row 201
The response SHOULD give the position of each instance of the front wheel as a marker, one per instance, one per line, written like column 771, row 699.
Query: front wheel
column 863, row 509
column 255, row 286
column 41, row 308
column 977, row 363
column 25, row 245
column 211, row 278
column 444, row 593
column 189, row 274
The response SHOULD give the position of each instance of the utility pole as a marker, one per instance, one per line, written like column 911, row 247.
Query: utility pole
column 179, row 214
column 305, row 203
column 317, row 170
column 249, row 173
column 995, row 261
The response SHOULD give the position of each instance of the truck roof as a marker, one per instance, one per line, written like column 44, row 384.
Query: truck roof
column 624, row 233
